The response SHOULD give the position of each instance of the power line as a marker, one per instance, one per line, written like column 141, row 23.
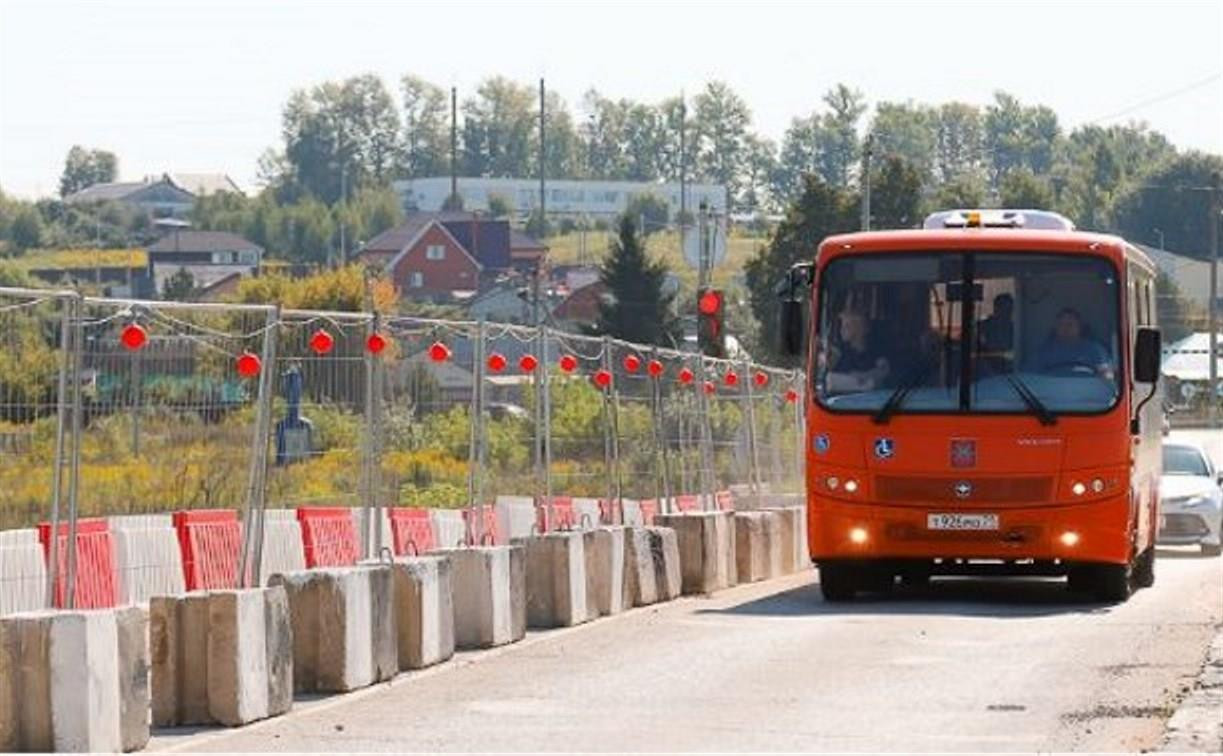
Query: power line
column 1159, row 98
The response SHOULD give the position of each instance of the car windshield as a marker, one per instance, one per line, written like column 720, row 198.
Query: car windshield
column 1184, row 460
column 968, row 332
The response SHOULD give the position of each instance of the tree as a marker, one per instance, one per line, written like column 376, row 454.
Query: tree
column 720, row 137
column 652, row 209
column 637, row 309
column 967, row 191
column 426, row 131
column 958, row 140
column 838, row 140
column 1172, row 309
column 896, row 195
column 83, row 168
column 537, row 225
column 346, row 129
column 1173, row 199
column 26, row 229
column 499, row 134
column 499, row 206
column 1022, row 189
column 820, row 211
column 908, row 131
column 179, row 286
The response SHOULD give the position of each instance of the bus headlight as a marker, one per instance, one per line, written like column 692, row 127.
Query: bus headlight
column 832, row 482
column 851, row 486
column 1079, row 488
column 1070, row 538
column 858, row 535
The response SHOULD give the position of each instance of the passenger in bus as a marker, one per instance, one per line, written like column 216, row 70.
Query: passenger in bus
column 996, row 338
column 1069, row 350
column 858, row 363
column 998, row 330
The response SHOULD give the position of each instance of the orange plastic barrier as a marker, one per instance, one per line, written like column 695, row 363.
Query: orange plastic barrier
column 211, row 544
column 554, row 515
column 97, row 579
column 491, row 534
column 688, row 502
column 649, row 509
column 328, row 536
column 411, row 530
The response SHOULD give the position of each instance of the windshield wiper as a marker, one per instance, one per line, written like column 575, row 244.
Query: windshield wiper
column 897, row 397
column 1036, row 405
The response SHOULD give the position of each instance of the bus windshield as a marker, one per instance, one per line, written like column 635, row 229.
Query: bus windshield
column 949, row 332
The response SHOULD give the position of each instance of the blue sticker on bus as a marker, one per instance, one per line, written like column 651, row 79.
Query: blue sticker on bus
column 821, row 443
column 884, row 448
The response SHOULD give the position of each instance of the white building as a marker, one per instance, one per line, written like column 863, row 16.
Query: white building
column 564, row 197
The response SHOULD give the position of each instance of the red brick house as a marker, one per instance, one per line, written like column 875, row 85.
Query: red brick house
column 425, row 260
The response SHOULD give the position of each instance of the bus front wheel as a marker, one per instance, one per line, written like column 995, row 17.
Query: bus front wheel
column 1111, row 583
column 838, row 582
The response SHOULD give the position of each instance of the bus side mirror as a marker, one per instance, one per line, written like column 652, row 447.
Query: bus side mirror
column 1146, row 355
column 791, row 327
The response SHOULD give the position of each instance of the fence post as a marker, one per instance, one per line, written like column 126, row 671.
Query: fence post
column 251, row 564
column 611, row 428
column 800, row 434
column 61, row 422
column 708, row 476
column 753, row 458
column 475, row 450
column 547, row 412
column 662, row 455
column 371, row 543
column 74, row 470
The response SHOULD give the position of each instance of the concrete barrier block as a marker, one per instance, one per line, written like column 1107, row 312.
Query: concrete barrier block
column 424, row 610
column 62, row 684
column 384, row 635
column 607, row 582
column 706, row 548
column 489, row 595
column 302, row 591
column 342, row 626
column 448, row 528
column 665, row 555
column 792, row 527
column 237, row 657
column 279, row 648
column 515, row 516
column 556, row 579
column 282, row 546
column 132, row 630
column 141, row 521
column 23, row 587
column 148, row 560
column 758, row 545
column 220, row 657
column 178, row 650
column 639, row 567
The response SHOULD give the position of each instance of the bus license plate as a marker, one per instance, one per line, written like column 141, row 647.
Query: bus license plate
column 956, row 521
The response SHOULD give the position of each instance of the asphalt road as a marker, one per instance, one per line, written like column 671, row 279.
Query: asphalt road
column 963, row 665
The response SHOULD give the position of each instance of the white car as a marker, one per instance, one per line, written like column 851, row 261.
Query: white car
column 1190, row 499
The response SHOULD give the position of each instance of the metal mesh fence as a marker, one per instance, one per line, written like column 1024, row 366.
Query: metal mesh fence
column 148, row 408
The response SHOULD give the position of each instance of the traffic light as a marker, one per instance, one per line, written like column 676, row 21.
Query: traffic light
column 711, row 315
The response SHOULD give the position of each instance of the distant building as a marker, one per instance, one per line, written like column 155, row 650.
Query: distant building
column 581, row 307
column 446, row 255
column 502, row 304
column 1192, row 275
column 209, row 256
column 171, row 195
column 597, row 199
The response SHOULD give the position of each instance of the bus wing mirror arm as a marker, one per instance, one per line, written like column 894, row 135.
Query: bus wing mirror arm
column 798, row 280
column 1146, row 369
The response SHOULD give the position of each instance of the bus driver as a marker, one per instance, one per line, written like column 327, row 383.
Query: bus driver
column 1068, row 350
column 858, row 363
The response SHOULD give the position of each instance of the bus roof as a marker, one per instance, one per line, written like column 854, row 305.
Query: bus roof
column 996, row 239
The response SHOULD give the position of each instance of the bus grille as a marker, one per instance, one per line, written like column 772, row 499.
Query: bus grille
column 1027, row 490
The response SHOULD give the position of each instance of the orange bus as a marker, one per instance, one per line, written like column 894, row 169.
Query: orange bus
column 979, row 403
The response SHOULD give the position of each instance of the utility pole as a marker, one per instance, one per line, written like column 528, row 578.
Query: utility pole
column 702, row 276
column 1213, row 321
column 683, row 172
column 454, row 143
column 543, row 210
column 866, row 182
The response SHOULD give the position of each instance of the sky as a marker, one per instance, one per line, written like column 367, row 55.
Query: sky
column 198, row 86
